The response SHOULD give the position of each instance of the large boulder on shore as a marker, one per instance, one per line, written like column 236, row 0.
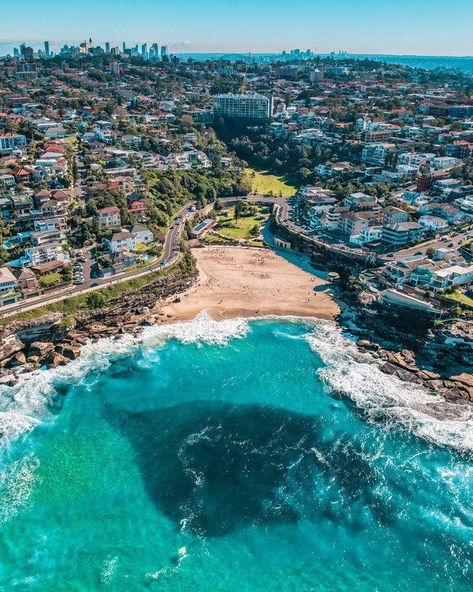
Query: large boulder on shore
column 40, row 348
column 69, row 350
column 401, row 372
column 56, row 359
column 9, row 346
column 463, row 383
column 18, row 359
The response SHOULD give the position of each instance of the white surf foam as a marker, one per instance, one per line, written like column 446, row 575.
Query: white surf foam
column 381, row 396
column 25, row 405
column 16, row 484
column 202, row 329
column 347, row 371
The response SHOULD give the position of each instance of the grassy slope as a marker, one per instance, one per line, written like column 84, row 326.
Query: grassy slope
column 264, row 183
column 460, row 297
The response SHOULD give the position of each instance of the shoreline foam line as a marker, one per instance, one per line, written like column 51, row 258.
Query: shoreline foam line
column 347, row 371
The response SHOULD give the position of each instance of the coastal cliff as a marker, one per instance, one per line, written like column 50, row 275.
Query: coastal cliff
column 47, row 341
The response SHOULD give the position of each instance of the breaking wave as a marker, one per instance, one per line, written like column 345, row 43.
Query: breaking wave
column 386, row 398
column 26, row 404
column 347, row 371
column 16, row 484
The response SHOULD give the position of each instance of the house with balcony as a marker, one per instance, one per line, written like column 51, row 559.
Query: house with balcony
column 376, row 154
column 433, row 223
column 8, row 287
column 401, row 234
column 130, row 241
column 108, row 217
column 7, row 180
column 393, row 215
column 43, row 253
column 457, row 275
column 9, row 142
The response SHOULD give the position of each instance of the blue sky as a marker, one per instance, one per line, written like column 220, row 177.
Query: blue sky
column 423, row 27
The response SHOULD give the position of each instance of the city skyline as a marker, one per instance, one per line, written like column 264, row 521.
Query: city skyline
column 367, row 26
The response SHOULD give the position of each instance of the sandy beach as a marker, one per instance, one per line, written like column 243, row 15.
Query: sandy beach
column 240, row 282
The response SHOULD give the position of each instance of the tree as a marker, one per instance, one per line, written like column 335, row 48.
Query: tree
column 238, row 211
column 66, row 274
column 75, row 174
column 96, row 300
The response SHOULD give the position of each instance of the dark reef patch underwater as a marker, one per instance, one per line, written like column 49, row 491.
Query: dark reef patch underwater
column 253, row 456
column 221, row 467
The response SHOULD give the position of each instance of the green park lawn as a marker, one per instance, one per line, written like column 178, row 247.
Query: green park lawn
column 240, row 228
column 263, row 183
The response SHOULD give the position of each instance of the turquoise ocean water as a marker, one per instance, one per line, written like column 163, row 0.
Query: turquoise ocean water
column 264, row 456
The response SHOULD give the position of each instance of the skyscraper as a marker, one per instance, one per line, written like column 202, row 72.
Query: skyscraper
column 144, row 51
column 107, row 47
column 46, row 48
column 27, row 53
column 123, row 47
column 164, row 51
column 154, row 52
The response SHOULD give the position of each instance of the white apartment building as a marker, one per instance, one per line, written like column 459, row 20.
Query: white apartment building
column 7, row 281
column 452, row 276
column 247, row 106
column 415, row 159
column 45, row 252
column 9, row 142
column 123, row 241
column 445, row 162
column 376, row 153
column 433, row 223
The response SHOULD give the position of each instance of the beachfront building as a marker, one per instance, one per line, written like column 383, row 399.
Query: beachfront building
column 402, row 234
column 433, row 223
column 130, row 241
column 8, row 287
column 203, row 227
column 457, row 275
column 45, row 252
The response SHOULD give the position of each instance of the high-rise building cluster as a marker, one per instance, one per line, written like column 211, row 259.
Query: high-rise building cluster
column 151, row 51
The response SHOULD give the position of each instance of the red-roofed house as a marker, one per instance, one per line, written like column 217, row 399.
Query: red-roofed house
column 139, row 208
column 22, row 176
